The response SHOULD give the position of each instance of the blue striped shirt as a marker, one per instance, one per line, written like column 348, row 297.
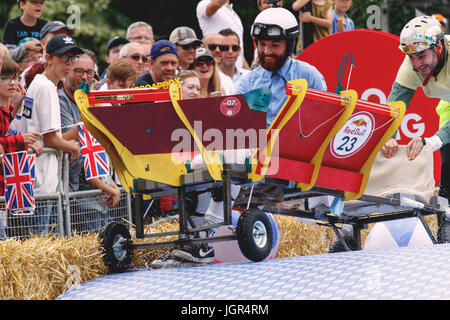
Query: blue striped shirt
column 276, row 82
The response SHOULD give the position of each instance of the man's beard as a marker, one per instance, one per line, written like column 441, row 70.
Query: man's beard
column 275, row 65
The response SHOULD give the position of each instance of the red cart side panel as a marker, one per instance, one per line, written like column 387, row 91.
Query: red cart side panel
column 153, row 128
column 143, row 128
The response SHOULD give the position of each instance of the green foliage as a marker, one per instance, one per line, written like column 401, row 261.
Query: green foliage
column 93, row 26
column 94, row 22
column 400, row 12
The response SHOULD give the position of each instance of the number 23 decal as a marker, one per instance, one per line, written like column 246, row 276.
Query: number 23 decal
column 348, row 145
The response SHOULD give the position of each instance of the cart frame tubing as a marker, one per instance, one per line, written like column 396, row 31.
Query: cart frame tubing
column 358, row 223
column 228, row 176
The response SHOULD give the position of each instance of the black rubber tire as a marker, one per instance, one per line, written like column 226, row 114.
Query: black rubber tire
column 254, row 234
column 117, row 257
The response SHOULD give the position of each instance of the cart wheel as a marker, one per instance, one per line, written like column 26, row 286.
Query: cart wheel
column 117, row 245
column 254, row 234
column 338, row 247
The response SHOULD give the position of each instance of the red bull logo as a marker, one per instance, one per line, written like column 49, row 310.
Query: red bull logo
column 360, row 122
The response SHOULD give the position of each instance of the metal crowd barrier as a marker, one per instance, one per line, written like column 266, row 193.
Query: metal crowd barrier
column 64, row 213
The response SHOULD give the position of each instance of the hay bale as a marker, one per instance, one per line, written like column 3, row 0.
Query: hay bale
column 44, row 267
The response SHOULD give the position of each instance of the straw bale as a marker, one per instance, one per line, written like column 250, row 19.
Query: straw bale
column 43, row 267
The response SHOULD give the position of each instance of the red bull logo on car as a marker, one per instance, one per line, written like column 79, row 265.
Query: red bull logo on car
column 353, row 135
column 360, row 123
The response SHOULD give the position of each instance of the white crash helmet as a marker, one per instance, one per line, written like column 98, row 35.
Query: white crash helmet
column 274, row 24
column 421, row 33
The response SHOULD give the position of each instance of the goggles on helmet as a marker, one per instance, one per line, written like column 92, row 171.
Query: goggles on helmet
column 270, row 31
column 415, row 47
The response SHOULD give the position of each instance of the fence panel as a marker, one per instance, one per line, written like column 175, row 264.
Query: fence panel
column 87, row 211
column 64, row 213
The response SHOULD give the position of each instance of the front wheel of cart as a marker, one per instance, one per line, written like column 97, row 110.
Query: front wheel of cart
column 254, row 234
column 117, row 246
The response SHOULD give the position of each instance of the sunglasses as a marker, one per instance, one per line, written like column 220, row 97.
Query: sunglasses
column 64, row 58
column 194, row 45
column 208, row 62
column 213, row 47
column 138, row 57
column 225, row 48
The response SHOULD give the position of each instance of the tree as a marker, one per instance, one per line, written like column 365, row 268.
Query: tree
column 94, row 22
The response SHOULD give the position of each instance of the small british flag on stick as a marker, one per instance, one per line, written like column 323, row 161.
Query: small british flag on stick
column 94, row 155
column 19, row 194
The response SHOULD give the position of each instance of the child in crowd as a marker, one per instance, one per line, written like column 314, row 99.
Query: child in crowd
column 120, row 75
column 42, row 113
column 27, row 25
column 9, row 80
column 321, row 16
column 190, row 84
column 341, row 21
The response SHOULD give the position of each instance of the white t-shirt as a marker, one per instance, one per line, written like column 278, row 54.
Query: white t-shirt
column 224, row 18
column 42, row 95
column 240, row 73
column 226, row 83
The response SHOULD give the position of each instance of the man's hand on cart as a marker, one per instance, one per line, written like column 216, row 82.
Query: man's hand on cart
column 414, row 147
column 390, row 148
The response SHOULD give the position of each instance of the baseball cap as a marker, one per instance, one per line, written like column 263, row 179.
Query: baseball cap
column 163, row 47
column 115, row 42
column 61, row 43
column 54, row 26
column 184, row 35
column 203, row 52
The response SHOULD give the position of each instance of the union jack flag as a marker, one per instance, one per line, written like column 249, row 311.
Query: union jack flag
column 19, row 194
column 31, row 159
column 94, row 155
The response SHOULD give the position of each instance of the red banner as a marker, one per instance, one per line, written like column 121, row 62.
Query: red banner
column 377, row 59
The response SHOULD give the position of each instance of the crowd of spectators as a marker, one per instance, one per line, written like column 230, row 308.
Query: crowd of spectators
column 43, row 66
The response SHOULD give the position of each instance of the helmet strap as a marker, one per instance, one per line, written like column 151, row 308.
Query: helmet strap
column 440, row 51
